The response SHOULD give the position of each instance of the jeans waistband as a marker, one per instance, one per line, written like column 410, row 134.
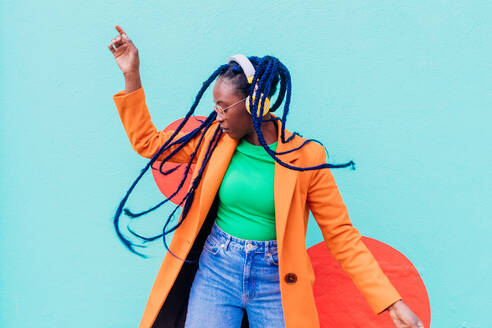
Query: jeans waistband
column 246, row 245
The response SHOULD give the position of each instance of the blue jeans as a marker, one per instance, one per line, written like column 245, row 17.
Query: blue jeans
column 235, row 275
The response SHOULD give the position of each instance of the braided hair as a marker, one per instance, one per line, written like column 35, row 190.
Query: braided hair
column 269, row 71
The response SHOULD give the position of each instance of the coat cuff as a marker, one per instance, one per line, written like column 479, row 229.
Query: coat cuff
column 387, row 299
column 123, row 96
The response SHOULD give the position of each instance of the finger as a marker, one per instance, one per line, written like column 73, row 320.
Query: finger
column 119, row 29
column 118, row 41
column 417, row 325
column 122, row 33
column 110, row 46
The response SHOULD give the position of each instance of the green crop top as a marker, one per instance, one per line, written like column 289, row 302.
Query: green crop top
column 246, row 205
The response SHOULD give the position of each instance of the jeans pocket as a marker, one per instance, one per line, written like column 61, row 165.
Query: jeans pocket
column 211, row 245
column 273, row 256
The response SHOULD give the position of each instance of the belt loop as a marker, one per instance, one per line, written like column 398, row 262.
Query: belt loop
column 227, row 242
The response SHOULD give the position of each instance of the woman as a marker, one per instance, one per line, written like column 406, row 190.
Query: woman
column 239, row 246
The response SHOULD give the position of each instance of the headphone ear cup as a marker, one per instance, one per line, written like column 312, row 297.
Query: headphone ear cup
column 266, row 106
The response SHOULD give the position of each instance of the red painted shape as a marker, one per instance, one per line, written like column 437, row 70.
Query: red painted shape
column 168, row 184
column 341, row 305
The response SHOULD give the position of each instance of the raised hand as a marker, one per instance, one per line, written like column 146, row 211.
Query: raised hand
column 125, row 52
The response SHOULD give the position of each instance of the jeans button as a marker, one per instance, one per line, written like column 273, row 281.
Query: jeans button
column 249, row 246
column 290, row 278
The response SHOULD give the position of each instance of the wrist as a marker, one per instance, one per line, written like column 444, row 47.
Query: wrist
column 132, row 81
column 131, row 74
column 394, row 304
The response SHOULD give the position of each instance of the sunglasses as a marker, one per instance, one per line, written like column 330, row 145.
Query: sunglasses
column 222, row 111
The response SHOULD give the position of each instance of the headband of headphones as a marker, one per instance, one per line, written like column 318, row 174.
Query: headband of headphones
column 245, row 64
column 249, row 71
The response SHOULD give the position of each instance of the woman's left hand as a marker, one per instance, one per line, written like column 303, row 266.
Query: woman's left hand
column 403, row 317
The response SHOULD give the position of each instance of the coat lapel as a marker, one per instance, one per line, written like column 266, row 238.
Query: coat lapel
column 284, row 182
column 284, row 178
column 212, row 177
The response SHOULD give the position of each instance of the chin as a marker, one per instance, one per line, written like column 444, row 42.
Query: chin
column 232, row 135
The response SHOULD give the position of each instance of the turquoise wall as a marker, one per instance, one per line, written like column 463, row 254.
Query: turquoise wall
column 402, row 88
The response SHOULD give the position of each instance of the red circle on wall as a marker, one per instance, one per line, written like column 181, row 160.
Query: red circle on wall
column 340, row 304
column 168, row 184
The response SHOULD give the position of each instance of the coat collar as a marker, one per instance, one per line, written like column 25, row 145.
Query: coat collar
column 284, row 178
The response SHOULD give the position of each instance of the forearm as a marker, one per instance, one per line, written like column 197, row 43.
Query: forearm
column 142, row 133
column 132, row 81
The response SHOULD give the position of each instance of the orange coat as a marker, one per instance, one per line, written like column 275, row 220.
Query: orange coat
column 295, row 193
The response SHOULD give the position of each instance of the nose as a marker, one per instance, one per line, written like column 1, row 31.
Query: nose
column 220, row 117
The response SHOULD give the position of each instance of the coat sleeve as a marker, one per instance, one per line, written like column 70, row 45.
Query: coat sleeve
column 344, row 241
column 143, row 135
